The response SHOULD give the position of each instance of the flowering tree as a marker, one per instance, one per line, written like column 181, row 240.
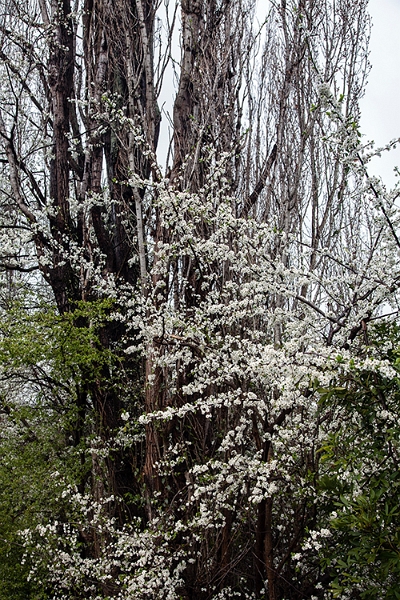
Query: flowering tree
column 185, row 327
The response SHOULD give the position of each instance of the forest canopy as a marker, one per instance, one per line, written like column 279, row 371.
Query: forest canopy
column 199, row 360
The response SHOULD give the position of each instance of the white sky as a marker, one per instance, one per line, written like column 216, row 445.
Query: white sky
column 380, row 108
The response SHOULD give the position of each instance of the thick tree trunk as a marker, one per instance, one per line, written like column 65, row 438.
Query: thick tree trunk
column 60, row 80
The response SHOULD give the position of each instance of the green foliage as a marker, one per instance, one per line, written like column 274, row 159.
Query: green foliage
column 45, row 359
column 361, row 476
column 35, row 458
column 63, row 347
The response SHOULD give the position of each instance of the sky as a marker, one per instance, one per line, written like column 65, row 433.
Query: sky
column 380, row 107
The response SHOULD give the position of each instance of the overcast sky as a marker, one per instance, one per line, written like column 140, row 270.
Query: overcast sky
column 380, row 108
